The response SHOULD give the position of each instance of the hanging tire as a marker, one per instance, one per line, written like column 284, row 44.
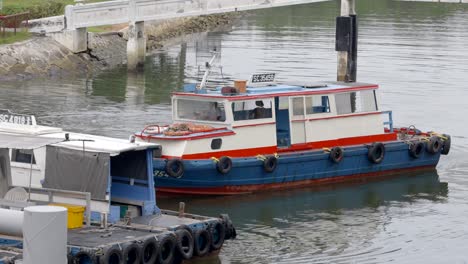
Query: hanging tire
column 434, row 145
column 270, row 163
column 218, row 233
column 149, row 251
column 230, row 231
column 416, row 149
column 167, row 245
column 336, row 154
column 202, row 239
column 82, row 257
column 184, row 243
column 175, row 168
column 446, row 145
column 224, row 165
column 376, row 152
column 112, row 255
column 131, row 253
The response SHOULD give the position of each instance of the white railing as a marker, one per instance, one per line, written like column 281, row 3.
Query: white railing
column 124, row 11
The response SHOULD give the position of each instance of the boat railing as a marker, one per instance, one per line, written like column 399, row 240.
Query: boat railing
column 50, row 195
column 388, row 123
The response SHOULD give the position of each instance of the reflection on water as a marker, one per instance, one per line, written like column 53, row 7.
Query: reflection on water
column 415, row 51
column 326, row 223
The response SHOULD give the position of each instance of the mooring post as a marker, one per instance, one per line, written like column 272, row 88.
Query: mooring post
column 136, row 45
column 346, row 42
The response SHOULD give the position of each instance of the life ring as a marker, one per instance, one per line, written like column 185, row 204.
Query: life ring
column 175, row 168
column 111, row 255
column 149, row 251
column 446, row 145
column 83, row 257
column 131, row 253
column 167, row 244
column 376, row 152
column 184, row 243
column 336, row 154
column 224, row 165
column 434, row 145
column 270, row 163
column 416, row 148
column 153, row 129
column 202, row 242
column 218, row 233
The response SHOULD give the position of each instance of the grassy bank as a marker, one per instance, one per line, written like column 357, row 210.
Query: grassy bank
column 38, row 8
column 10, row 37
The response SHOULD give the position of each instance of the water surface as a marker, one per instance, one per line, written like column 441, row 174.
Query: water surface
column 415, row 51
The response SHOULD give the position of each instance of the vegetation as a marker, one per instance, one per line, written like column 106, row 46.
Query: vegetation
column 10, row 37
column 37, row 8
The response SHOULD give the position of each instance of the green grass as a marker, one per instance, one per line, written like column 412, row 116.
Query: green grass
column 38, row 8
column 10, row 37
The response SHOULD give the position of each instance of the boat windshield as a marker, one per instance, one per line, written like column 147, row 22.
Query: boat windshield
column 200, row 110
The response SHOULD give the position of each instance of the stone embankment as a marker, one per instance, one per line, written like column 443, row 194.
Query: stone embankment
column 42, row 56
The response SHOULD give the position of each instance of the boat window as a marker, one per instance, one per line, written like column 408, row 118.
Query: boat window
column 252, row 109
column 201, row 110
column 283, row 103
column 298, row 106
column 216, row 143
column 355, row 102
column 317, row 104
column 23, row 156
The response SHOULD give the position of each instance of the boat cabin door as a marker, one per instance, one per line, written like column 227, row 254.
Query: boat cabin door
column 283, row 135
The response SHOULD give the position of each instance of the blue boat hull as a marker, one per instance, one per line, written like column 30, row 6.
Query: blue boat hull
column 293, row 169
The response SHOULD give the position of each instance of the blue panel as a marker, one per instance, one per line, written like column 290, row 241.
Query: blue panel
column 292, row 167
column 114, row 215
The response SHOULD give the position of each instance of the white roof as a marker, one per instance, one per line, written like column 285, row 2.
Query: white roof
column 51, row 135
column 25, row 141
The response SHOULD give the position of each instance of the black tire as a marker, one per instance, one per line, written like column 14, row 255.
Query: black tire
column 336, row 154
column 202, row 239
column 82, row 257
column 175, row 168
column 184, row 243
column 416, row 149
column 434, row 145
column 376, row 152
column 167, row 245
column 218, row 233
column 224, row 165
column 270, row 163
column 230, row 231
column 149, row 251
column 112, row 255
column 446, row 145
column 131, row 253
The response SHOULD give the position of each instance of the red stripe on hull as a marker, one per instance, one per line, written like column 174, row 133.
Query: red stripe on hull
column 341, row 142
column 245, row 189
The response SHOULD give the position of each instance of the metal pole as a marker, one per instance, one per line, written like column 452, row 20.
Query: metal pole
column 346, row 42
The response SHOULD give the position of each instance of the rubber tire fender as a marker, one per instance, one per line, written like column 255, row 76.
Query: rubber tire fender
column 230, row 231
column 434, row 145
column 112, row 255
column 224, row 165
column 270, row 163
column 336, row 154
column 202, row 239
column 184, row 243
column 175, row 168
column 218, row 233
column 416, row 149
column 167, row 244
column 149, row 250
column 82, row 255
column 376, row 152
column 131, row 253
column 446, row 145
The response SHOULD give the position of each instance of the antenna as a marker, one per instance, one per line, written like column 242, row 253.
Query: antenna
column 208, row 66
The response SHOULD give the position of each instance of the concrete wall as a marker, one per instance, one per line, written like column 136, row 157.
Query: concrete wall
column 47, row 25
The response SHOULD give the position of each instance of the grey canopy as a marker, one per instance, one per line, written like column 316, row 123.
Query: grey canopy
column 77, row 170
column 4, row 171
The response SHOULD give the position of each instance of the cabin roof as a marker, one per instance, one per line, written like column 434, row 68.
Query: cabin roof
column 254, row 92
column 35, row 136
